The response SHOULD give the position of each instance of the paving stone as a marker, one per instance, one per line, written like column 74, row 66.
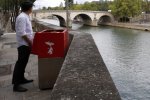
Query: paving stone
column 5, row 70
column 1, row 46
column 6, row 47
column 8, row 57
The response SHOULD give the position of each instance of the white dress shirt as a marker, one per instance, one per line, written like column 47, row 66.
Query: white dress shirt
column 23, row 27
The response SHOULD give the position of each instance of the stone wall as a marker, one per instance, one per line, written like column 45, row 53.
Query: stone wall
column 84, row 75
column 142, row 27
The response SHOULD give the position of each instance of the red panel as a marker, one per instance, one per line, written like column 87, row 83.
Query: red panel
column 35, row 46
column 50, row 43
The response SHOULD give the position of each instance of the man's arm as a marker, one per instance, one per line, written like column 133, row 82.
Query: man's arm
column 21, row 26
column 27, row 40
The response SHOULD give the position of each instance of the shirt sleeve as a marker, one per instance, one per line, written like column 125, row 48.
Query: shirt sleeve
column 21, row 26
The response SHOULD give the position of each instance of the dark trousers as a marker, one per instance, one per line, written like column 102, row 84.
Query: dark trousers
column 19, row 70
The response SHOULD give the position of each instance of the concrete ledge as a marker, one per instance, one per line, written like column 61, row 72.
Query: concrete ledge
column 84, row 75
column 130, row 26
column 39, row 26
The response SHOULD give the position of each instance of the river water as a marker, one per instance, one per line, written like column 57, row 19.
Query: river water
column 126, row 54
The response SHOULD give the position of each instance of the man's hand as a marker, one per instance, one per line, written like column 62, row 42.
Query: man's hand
column 30, row 44
column 27, row 40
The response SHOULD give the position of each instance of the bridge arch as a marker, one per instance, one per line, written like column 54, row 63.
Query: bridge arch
column 84, row 18
column 92, row 18
column 105, row 19
column 61, row 20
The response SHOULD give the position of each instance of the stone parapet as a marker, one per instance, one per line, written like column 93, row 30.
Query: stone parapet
column 84, row 75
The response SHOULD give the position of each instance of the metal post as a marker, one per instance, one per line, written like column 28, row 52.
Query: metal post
column 67, row 14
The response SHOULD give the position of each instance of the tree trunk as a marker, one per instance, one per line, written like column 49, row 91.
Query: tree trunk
column 9, row 11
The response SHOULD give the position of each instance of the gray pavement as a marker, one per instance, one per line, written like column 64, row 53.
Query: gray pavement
column 8, row 57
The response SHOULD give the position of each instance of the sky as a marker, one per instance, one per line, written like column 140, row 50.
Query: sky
column 53, row 3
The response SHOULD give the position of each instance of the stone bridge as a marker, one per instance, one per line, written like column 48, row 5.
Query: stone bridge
column 91, row 18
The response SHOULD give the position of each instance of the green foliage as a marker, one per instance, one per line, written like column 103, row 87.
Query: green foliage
column 126, row 8
column 104, row 5
column 44, row 8
column 95, row 6
column 77, row 7
column 86, row 6
column 146, row 5
column 55, row 8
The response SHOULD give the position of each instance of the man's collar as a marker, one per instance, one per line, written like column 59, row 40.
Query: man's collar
column 25, row 14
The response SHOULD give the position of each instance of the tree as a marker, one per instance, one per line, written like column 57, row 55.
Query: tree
column 91, row 6
column 10, row 9
column 77, row 7
column 49, row 8
column 87, row 6
column 70, row 3
column 146, row 5
column 104, row 5
column 44, row 8
column 126, row 8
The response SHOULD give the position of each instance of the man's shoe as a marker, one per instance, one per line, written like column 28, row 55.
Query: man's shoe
column 19, row 89
column 25, row 81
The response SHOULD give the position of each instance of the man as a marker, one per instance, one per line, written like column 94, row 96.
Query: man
column 24, row 36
